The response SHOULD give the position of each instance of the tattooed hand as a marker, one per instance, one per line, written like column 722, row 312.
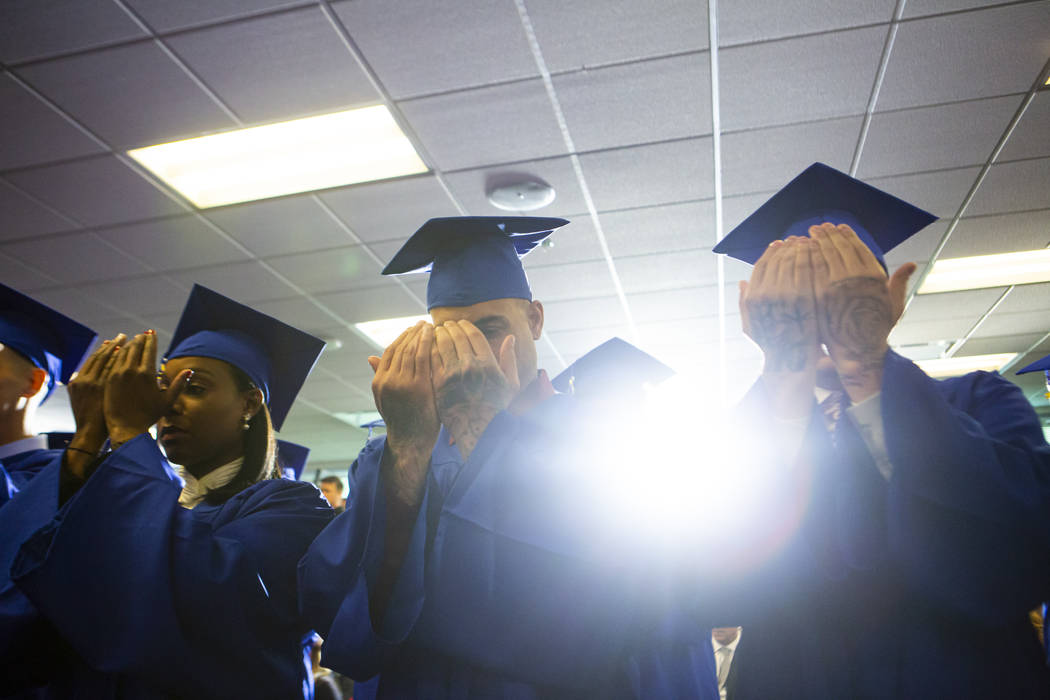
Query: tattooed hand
column 778, row 309
column 470, row 386
column 857, row 307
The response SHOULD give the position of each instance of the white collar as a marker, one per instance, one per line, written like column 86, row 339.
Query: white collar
column 194, row 489
column 36, row 442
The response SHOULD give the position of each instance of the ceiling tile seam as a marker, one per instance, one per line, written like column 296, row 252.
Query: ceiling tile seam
column 1022, row 355
column 716, row 179
column 391, row 105
column 62, row 114
column 577, row 167
column 876, row 87
column 985, row 169
column 177, row 60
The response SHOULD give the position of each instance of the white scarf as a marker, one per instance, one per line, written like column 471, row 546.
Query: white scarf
column 194, row 490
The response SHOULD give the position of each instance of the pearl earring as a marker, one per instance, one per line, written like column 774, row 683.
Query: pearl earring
column 246, row 425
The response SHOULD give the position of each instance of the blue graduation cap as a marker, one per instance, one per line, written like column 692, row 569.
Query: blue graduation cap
column 373, row 424
column 292, row 459
column 822, row 194
column 276, row 357
column 52, row 341
column 1043, row 364
column 614, row 367
column 473, row 258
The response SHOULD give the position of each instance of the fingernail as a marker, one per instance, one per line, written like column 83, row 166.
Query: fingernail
column 150, row 331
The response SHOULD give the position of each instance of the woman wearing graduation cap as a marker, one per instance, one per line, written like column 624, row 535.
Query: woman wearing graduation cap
column 154, row 586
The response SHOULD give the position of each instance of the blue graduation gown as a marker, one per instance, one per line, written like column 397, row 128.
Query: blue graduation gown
column 918, row 586
column 152, row 600
column 22, row 467
column 510, row 588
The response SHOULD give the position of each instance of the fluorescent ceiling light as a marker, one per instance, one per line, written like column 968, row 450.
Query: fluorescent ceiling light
column 302, row 155
column 954, row 366
column 386, row 330
column 979, row 271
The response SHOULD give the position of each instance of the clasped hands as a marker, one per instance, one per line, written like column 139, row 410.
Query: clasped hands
column 827, row 290
column 445, row 375
column 115, row 395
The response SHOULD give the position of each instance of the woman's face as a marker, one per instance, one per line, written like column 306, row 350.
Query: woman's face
column 205, row 427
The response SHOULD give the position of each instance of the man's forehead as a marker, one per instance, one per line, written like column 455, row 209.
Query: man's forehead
column 499, row 308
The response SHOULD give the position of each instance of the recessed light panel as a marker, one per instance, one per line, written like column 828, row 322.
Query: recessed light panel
column 955, row 366
column 980, row 271
column 386, row 330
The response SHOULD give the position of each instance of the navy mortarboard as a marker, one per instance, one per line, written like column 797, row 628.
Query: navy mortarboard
column 274, row 355
column 612, row 368
column 291, row 458
column 373, row 424
column 1043, row 366
column 821, row 194
column 52, row 341
column 472, row 259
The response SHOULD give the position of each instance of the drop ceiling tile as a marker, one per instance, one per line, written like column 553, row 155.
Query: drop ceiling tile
column 329, row 270
column 1006, row 233
column 296, row 311
column 399, row 41
column 647, row 175
column 968, row 305
column 939, row 192
column 386, row 301
column 163, row 15
column 76, row 257
column 392, row 209
column 130, row 96
column 996, row 51
column 247, row 282
column 1016, row 186
column 919, row 247
column 277, row 67
column 24, row 277
column 96, row 191
column 173, row 243
column 650, row 273
column 920, row 8
column 767, row 159
column 560, row 282
column 575, row 36
column 1000, row 324
column 1026, row 298
column 573, row 243
column 42, row 134
column 485, row 126
column 471, row 187
column 634, row 103
column 687, row 302
column 660, row 229
column 21, row 217
column 736, row 208
column 582, row 313
column 148, row 297
column 933, row 138
column 281, row 226
column 787, row 81
column 765, row 20
column 1030, row 137
column 31, row 29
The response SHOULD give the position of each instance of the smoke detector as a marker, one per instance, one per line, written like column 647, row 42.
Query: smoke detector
column 526, row 195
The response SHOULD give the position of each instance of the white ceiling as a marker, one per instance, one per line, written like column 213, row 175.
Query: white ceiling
column 610, row 102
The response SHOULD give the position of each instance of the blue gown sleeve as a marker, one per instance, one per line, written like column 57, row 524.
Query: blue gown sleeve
column 969, row 501
column 190, row 605
column 340, row 566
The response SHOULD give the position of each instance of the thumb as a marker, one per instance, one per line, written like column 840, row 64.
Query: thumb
column 898, row 288
column 508, row 361
column 373, row 362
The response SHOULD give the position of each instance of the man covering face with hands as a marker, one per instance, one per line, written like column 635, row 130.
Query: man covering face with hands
column 925, row 522
column 468, row 564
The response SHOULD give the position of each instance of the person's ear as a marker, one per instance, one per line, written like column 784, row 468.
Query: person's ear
column 535, row 315
column 253, row 401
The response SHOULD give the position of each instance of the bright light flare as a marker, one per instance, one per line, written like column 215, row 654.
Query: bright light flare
column 955, row 366
column 384, row 331
column 302, row 155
